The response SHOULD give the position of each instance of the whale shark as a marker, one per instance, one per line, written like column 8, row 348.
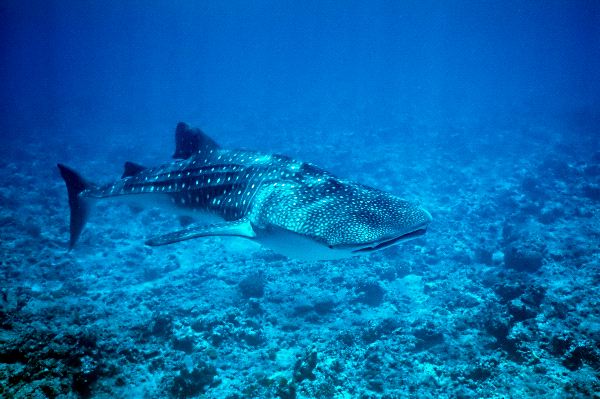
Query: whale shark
column 294, row 208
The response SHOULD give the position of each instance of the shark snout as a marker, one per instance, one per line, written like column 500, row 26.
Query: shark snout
column 419, row 227
column 419, row 221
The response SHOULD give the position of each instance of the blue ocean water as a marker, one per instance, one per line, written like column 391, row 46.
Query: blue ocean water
column 486, row 113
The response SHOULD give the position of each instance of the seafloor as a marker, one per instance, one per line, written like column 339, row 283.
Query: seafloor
column 500, row 299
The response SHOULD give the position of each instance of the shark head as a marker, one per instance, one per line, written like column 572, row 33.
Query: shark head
column 341, row 219
column 375, row 221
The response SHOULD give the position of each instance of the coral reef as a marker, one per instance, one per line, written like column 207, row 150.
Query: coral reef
column 499, row 298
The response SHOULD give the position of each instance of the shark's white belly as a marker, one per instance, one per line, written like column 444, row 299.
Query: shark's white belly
column 296, row 246
column 284, row 242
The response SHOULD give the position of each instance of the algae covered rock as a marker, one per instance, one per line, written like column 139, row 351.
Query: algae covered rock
column 252, row 286
column 370, row 293
column 304, row 367
column 194, row 381
column 525, row 256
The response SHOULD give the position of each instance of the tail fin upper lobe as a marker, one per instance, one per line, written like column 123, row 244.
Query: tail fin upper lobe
column 79, row 206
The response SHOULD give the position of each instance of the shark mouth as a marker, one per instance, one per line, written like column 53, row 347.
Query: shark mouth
column 389, row 243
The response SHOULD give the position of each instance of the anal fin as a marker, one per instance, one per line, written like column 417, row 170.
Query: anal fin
column 237, row 228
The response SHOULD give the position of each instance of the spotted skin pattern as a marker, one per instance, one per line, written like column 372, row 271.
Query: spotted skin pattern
column 275, row 193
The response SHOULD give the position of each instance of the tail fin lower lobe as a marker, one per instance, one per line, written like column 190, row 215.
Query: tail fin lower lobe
column 79, row 206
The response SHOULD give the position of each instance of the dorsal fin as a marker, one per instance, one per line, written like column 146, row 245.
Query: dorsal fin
column 189, row 141
column 132, row 169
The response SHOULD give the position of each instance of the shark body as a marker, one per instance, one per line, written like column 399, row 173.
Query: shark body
column 292, row 207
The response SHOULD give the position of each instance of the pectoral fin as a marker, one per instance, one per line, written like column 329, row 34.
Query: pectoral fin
column 237, row 228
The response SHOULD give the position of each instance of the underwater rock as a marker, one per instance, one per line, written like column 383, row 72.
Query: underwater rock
column 161, row 324
column 252, row 286
column 347, row 338
column 509, row 232
column 304, row 367
column 427, row 336
column 10, row 354
column 184, row 343
column 87, row 374
column 193, row 382
column 592, row 191
column 251, row 335
column 533, row 189
column 5, row 320
column 71, row 360
column 370, row 293
column 373, row 372
column 550, row 215
column 525, row 257
column 509, row 290
column 374, row 332
column 497, row 257
column 302, row 307
column 7, row 202
column 498, row 328
column 560, row 310
column 254, row 308
column 386, row 272
column 534, row 295
column 484, row 255
column 285, row 389
column 527, row 304
column 560, row 344
column 32, row 228
column 520, row 311
column 150, row 273
column 592, row 171
column 324, row 305
column 483, row 370
column 523, row 303
column 205, row 324
column 558, row 168
column 583, row 352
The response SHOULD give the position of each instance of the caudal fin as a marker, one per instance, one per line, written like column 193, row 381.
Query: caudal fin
column 79, row 206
